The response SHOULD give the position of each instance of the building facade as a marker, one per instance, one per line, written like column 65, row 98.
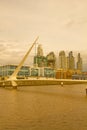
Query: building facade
column 62, row 60
column 46, row 72
column 71, row 61
column 7, row 70
column 79, row 62
column 39, row 50
column 51, row 59
column 40, row 61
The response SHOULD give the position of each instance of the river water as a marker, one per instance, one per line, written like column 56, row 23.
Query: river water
column 43, row 108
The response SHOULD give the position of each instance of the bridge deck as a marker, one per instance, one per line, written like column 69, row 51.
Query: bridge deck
column 37, row 82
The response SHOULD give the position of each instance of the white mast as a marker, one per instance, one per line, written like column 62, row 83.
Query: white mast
column 13, row 76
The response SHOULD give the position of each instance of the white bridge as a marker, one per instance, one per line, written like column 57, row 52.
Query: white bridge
column 14, row 82
column 12, row 79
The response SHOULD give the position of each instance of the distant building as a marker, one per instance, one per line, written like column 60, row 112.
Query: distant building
column 79, row 62
column 39, row 50
column 7, row 70
column 44, row 61
column 49, row 72
column 79, row 77
column 61, row 74
column 46, row 72
column 51, row 59
column 34, row 71
column 39, row 59
column 71, row 61
column 62, row 60
column 67, row 62
column 64, row 74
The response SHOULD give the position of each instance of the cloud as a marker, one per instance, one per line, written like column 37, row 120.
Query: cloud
column 14, row 57
column 75, row 21
column 69, row 23
column 12, row 53
column 1, row 30
column 2, row 47
column 61, row 25
column 2, row 41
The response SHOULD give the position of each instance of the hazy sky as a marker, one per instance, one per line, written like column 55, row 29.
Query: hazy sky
column 60, row 25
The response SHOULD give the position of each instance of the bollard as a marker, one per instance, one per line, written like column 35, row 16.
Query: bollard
column 3, row 84
column 62, row 84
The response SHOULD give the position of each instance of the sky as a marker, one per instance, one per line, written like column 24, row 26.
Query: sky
column 60, row 25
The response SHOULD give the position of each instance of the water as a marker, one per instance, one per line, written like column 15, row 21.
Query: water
column 43, row 108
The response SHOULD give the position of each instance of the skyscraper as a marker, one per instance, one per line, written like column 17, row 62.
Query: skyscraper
column 79, row 62
column 39, row 50
column 62, row 60
column 51, row 60
column 39, row 59
column 71, row 61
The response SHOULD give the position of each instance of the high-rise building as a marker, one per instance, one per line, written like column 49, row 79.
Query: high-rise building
column 71, row 61
column 67, row 62
column 51, row 59
column 39, row 59
column 39, row 50
column 79, row 62
column 62, row 60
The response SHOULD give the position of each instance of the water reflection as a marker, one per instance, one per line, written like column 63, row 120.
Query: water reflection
column 43, row 108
